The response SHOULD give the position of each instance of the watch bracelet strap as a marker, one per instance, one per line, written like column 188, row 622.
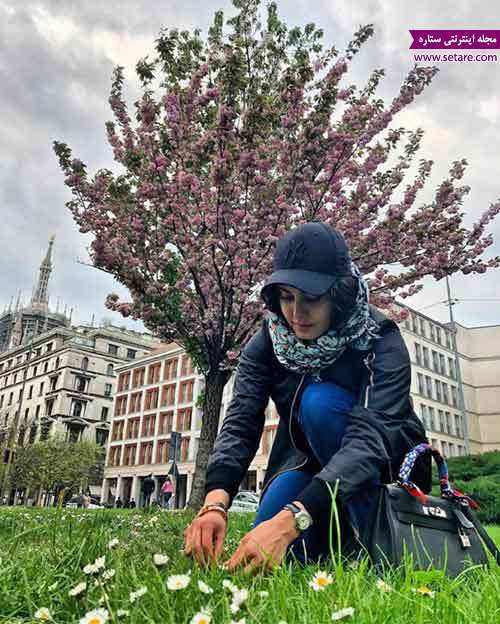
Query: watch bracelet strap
column 219, row 507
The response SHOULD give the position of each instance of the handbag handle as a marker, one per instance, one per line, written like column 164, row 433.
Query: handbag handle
column 444, row 481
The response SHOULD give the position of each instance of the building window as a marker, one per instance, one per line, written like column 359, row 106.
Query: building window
column 166, row 422
column 123, row 381
column 85, row 363
column 414, row 324
column 422, row 327
column 133, row 428
column 432, row 332
column 186, row 391
column 151, row 399
column 154, row 373
column 1, row 401
column 428, row 383
column 11, row 398
column 446, row 398
column 423, row 411
column 458, row 426
column 432, row 418
column 170, row 370
column 426, row 357
column 41, row 389
column 184, row 419
column 438, row 335
column 104, row 414
column 168, row 395
column 184, row 449
column 131, row 354
column 421, row 387
column 37, row 412
column 162, row 449
column 108, row 389
column 135, row 402
column 112, row 349
column 418, row 354
column 57, row 363
column 110, row 371
column 449, row 341
column 138, row 377
column 441, row 420
column 148, row 425
column 438, row 390
column 447, row 417
column 77, row 409
column 186, row 365
column 451, row 368
column 101, row 436
column 146, row 453
column 80, row 383
column 48, row 348
column 50, row 407
column 46, row 366
column 435, row 361
column 53, row 382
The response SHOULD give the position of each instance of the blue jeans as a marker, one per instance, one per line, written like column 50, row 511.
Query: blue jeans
column 323, row 414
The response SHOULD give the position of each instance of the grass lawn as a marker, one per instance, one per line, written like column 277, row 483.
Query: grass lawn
column 43, row 554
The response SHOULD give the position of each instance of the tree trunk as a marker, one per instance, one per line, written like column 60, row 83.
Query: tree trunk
column 214, row 387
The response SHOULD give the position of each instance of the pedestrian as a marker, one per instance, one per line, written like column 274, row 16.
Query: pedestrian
column 119, row 503
column 339, row 374
column 86, row 500
column 166, row 492
column 148, row 486
column 132, row 504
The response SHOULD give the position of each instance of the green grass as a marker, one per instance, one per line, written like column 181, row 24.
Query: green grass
column 43, row 553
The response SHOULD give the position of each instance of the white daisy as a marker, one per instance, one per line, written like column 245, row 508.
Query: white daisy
column 228, row 585
column 90, row 568
column 78, row 589
column 96, row 616
column 263, row 594
column 383, row 586
column 204, row 588
column 159, row 559
column 122, row 613
column 43, row 614
column 320, row 581
column 113, row 543
column 138, row 593
column 202, row 617
column 100, row 562
column 343, row 613
column 178, row 581
column 108, row 574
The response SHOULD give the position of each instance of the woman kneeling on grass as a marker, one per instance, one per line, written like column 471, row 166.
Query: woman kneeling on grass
column 339, row 374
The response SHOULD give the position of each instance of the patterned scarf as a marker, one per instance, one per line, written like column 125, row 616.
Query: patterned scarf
column 358, row 332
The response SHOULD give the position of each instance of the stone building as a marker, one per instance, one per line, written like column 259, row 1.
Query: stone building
column 157, row 395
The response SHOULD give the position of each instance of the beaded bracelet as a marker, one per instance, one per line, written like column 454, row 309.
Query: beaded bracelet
column 220, row 507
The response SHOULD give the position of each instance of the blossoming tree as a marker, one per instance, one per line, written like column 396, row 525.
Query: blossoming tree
column 236, row 139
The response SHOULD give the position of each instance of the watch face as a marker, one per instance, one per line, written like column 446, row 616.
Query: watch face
column 303, row 521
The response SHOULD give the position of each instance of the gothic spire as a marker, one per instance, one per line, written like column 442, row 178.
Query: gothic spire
column 40, row 298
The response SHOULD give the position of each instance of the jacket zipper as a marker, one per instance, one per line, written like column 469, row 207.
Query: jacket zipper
column 291, row 438
column 368, row 360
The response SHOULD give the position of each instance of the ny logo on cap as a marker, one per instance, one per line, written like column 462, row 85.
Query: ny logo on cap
column 295, row 252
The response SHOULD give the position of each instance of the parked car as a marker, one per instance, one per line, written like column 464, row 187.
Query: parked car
column 245, row 501
column 76, row 502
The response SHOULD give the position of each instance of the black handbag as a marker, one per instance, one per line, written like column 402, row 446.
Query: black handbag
column 434, row 532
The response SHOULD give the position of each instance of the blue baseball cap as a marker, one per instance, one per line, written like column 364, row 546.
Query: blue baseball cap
column 311, row 257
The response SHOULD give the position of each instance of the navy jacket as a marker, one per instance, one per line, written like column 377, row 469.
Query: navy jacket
column 381, row 427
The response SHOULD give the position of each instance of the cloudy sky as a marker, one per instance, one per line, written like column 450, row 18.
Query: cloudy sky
column 56, row 59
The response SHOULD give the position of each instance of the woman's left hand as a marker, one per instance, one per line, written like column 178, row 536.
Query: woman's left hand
column 266, row 545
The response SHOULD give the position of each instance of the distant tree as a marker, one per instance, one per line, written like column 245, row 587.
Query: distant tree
column 53, row 464
column 236, row 140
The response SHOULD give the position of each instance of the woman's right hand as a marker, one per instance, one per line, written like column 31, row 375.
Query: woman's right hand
column 204, row 537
